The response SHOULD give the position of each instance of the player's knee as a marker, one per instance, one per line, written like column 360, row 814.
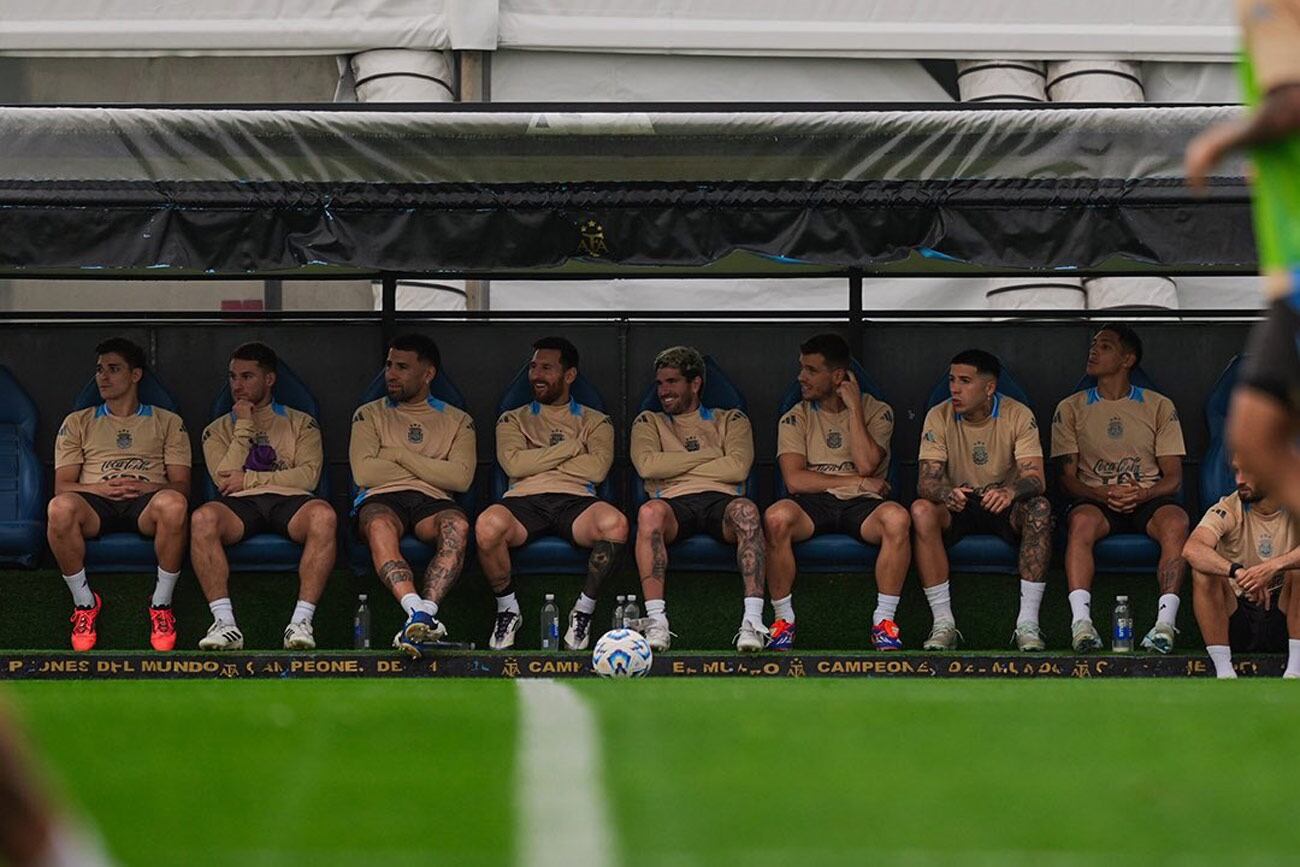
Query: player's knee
column 1173, row 527
column 205, row 524
column 925, row 515
column 895, row 523
column 1038, row 510
column 612, row 525
column 321, row 520
column 1083, row 525
column 169, row 509
column 457, row 525
column 778, row 523
column 490, row 529
column 61, row 513
column 651, row 517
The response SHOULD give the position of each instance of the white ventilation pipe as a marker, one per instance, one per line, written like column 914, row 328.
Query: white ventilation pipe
column 1016, row 81
column 1113, row 81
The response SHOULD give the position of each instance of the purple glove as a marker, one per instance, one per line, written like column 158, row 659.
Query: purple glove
column 261, row 458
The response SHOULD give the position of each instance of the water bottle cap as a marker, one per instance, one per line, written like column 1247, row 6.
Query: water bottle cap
column 363, row 597
column 550, row 597
column 622, row 598
column 1121, row 598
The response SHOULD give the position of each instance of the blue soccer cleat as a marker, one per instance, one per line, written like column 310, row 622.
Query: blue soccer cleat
column 782, row 636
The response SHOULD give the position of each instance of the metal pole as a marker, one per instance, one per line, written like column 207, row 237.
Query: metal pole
column 474, row 84
column 388, row 307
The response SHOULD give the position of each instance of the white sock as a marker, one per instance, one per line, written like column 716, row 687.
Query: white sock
column 429, row 608
column 1081, row 605
column 940, row 602
column 81, row 595
column 658, row 609
column 162, row 591
column 507, row 602
column 1221, row 656
column 585, row 604
column 303, row 612
column 753, row 610
column 1031, row 596
column 784, row 608
column 410, row 603
column 886, row 607
column 1293, row 656
column 1168, row 609
column 222, row 610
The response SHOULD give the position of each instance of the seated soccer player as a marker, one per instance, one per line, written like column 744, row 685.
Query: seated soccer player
column 120, row 466
column 555, row 452
column 695, row 460
column 265, row 460
column 980, row 471
column 833, row 454
column 409, row 452
column 1120, row 449
column 1244, row 558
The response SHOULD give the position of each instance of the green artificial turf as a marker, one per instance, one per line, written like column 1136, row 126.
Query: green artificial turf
column 696, row 772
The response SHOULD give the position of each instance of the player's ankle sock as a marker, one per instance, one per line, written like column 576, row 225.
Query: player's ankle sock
column 658, row 609
column 303, row 612
column 1031, row 597
column 1081, row 605
column 784, row 608
column 1221, row 656
column 507, row 602
column 81, row 595
column 429, row 608
column 585, row 604
column 940, row 602
column 1293, row 656
column 222, row 610
column 886, row 607
column 162, row 591
column 754, row 609
column 1168, row 610
column 410, row 603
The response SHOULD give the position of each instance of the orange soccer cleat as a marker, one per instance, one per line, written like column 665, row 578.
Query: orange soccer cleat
column 162, row 627
column 83, row 625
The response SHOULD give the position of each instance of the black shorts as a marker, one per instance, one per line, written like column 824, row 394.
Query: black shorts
column 977, row 520
column 1128, row 522
column 117, row 516
column 1272, row 362
column 410, row 507
column 266, row 513
column 1251, row 629
column 700, row 513
column 830, row 514
column 542, row 514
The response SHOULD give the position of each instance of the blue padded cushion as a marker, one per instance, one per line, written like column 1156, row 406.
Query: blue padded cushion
column 1217, row 478
column 982, row 553
column 16, row 406
column 414, row 551
column 124, row 552
column 700, row 552
column 22, row 482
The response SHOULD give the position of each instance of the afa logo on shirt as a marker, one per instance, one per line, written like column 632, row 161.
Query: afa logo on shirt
column 1115, row 429
column 1266, row 546
column 415, row 434
column 930, row 437
column 124, row 439
column 834, row 440
column 980, row 454
column 692, row 444
column 557, row 437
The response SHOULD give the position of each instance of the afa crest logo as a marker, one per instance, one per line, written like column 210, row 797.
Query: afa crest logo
column 1115, row 429
column 980, row 454
column 1266, row 546
column 557, row 437
column 124, row 439
column 591, row 237
column 834, row 440
column 692, row 444
column 415, row 434
column 930, row 437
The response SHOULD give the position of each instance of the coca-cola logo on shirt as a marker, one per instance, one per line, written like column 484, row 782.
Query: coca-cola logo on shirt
column 1125, row 470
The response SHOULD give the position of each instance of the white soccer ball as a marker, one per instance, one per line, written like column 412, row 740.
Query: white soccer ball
column 622, row 653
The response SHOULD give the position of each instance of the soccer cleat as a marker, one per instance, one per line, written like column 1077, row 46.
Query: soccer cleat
column 885, row 636
column 1084, row 637
column 1291, row 675
column 656, row 632
column 162, row 627
column 83, row 625
column 504, row 629
column 422, row 628
column 578, row 635
column 1028, row 637
column 1160, row 638
column 943, row 636
column 752, row 637
column 299, row 635
column 222, row 635
column 781, row 636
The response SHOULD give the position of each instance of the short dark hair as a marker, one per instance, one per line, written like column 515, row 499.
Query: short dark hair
column 568, row 352
column 129, row 350
column 423, row 347
column 686, row 359
column 832, row 347
column 261, row 353
column 984, row 362
column 1127, row 338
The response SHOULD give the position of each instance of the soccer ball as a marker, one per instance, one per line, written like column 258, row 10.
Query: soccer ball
column 622, row 653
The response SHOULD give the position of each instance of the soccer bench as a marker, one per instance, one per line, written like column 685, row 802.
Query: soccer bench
column 700, row 552
column 22, row 482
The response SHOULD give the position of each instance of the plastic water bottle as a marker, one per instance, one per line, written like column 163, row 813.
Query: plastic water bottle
column 631, row 611
column 619, row 604
column 361, row 626
column 550, row 624
column 1122, row 641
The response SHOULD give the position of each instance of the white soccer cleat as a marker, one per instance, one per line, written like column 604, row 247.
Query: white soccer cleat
column 504, row 629
column 656, row 632
column 299, row 635
column 1028, row 637
column 752, row 637
column 222, row 635
column 1160, row 638
column 1291, row 675
column 578, row 635
column 1084, row 637
column 943, row 636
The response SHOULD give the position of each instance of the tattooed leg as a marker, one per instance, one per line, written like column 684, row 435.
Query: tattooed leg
column 1033, row 519
column 742, row 523
column 656, row 528
column 444, row 568
column 397, row 575
column 382, row 530
column 1169, row 527
column 602, row 563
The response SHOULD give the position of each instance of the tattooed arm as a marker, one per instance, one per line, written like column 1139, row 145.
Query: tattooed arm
column 1029, row 481
column 932, row 481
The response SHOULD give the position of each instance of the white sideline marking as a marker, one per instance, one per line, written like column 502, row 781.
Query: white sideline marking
column 559, row 783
